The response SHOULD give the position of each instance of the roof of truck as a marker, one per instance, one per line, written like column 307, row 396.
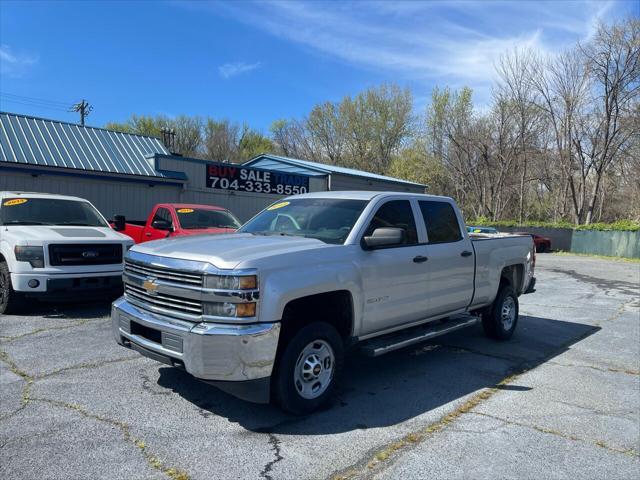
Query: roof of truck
column 365, row 195
column 193, row 205
column 11, row 194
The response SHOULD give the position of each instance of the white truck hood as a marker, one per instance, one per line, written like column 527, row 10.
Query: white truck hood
column 39, row 234
column 227, row 251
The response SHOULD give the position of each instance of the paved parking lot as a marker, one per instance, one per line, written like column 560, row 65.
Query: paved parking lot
column 561, row 400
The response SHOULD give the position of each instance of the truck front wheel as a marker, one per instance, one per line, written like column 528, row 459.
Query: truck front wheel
column 10, row 300
column 309, row 369
column 501, row 317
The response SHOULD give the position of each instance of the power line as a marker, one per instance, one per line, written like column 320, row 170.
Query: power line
column 37, row 105
column 43, row 101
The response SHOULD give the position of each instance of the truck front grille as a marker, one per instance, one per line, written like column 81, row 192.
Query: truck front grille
column 163, row 301
column 85, row 254
column 161, row 273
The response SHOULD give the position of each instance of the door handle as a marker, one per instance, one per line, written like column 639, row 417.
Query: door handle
column 420, row 259
column 466, row 253
column 148, row 234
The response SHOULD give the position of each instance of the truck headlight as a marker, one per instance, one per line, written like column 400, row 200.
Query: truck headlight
column 226, row 309
column 33, row 255
column 231, row 282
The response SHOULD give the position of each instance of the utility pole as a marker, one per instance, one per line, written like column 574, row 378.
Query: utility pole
column 83, row 108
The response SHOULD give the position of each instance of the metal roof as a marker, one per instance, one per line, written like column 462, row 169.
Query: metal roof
column 41, row 142
column 269, row 161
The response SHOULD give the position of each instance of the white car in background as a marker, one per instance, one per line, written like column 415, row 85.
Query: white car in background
column 54, row 246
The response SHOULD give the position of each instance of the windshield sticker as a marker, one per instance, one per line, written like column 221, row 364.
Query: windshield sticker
column 477, row 230
column 278, row 205
column 14, row 201
column 185, row 210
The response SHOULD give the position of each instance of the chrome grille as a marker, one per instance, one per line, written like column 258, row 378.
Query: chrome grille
column 176, row 276
column 163, row 301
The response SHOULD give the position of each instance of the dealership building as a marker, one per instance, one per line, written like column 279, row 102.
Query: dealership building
column 122, row 173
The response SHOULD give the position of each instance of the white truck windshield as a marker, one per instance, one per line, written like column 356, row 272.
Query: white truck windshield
column 326, row 219
column 48, row 211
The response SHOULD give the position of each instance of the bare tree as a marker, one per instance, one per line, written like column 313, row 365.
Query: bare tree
column 515, row 70
column 613, row 59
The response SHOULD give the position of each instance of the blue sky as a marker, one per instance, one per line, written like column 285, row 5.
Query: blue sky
column 260, row 61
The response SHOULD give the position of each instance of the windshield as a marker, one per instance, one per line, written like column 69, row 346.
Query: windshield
column 327, row 219
column 197, row 218
column 49, row 211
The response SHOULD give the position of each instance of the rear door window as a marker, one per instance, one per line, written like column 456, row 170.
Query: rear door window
column 441, row 221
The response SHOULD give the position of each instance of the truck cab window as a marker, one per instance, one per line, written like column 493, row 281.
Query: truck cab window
column 162, row 219
column 441, row 222
column 395, row 214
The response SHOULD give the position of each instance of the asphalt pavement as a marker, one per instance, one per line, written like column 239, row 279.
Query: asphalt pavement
column 560, row 400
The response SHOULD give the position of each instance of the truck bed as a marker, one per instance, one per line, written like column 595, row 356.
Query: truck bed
column 493, row 252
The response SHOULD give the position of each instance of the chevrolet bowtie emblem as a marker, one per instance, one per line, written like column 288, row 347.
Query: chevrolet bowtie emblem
column 150, row 286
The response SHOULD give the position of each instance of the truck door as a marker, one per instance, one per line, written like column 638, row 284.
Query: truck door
column 451, row 263
column 394, row 277
column 160, row 226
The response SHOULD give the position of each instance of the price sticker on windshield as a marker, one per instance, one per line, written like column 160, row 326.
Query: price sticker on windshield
column 185, row 210
column 278, row 205
column 14, row 201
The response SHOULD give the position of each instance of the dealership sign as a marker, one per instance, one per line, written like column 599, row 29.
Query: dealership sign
column 247, row 179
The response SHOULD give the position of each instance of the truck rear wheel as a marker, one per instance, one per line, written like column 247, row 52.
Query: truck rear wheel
column 501, row 317
column 10, row 300
column 309, row 369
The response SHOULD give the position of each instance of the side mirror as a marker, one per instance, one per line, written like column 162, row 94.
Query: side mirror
column 119, row 223
column 161, row 225
column 384, row 237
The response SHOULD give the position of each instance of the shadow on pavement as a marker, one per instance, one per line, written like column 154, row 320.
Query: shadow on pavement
column 384, row 391
column 80, row 308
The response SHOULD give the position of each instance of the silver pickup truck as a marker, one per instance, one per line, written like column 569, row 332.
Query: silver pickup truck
column 267, row 313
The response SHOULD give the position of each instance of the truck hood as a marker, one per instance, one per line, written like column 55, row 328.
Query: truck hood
column 227, row 251
column 39, row 234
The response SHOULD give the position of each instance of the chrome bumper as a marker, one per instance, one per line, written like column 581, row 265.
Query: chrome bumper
column 214, row 352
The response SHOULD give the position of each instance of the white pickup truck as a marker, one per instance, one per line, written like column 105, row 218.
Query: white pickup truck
column 54, row 245
column 267, row 313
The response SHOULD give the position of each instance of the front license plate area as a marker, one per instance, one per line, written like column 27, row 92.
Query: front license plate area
column 146, row 332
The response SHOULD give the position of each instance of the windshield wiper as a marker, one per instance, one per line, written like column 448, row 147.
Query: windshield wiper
column 77, row 224
column 25, row 222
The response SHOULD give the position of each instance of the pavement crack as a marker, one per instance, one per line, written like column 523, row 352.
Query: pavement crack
column 380, row 457
column 566, row 436
column 153, row 460
column 626, row 371
column 457, row 348
column 78, row 323
column 274, row 441
column 87, row 365
column 26, row 390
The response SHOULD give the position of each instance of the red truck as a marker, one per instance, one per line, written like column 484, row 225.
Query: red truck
column 176, row 219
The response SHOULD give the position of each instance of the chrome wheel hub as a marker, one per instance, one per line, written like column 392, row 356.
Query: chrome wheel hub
column 508, row 313
column 313, row 372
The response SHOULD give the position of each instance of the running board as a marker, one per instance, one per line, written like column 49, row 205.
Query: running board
column 403, row 338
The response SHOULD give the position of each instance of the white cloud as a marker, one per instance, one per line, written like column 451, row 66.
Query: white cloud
column 15, row 64
column 455, row 43
column 229, row 70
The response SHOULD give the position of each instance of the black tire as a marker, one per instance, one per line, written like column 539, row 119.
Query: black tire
column 286, row 394
column 492, row 316
column 10, row 300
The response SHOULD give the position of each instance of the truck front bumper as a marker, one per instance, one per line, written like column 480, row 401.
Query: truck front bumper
column 39, row 283
column 238, row 359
